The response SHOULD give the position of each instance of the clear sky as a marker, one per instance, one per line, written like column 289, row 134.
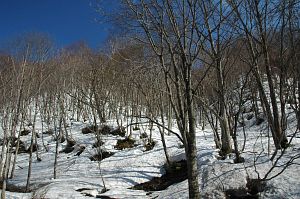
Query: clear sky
column 66, row 21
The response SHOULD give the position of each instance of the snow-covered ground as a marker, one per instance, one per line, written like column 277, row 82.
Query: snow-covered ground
column 129, row 167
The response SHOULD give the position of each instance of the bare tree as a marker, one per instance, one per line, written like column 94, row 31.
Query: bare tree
column 253, row 17
column 170, row 28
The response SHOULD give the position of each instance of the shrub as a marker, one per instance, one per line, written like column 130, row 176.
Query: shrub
column 105, row 129
column 98, row 143
column 80, row 151
column 120, row 131
column 34, row 148
column 255, row 186
column 62, row 139
column 149, row 145
column 124, row 144
column 22, row 148
column 143, row 136
column 89, row 129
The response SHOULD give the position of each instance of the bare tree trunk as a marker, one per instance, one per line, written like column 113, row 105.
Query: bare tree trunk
column 191, row 150
column 6, row 169
column 58, row 136
column 33, row 136
column 162, row 131
column 17, row 147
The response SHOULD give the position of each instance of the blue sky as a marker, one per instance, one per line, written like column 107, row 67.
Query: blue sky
column 66, row 21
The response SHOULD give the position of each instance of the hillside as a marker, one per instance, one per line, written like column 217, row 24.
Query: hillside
column 80, row 177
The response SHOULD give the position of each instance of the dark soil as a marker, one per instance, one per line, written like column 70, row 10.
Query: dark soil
column 98, row 196
column 85, row 189
column 13, row 141
column 175, row 173
column 259, row 121
column 22, row 148
column 101, row 155
column 50, row 132
column 239, row 160
column 136, row 128
column 89, row 129
column 250, row 116
column 124, row 144
column 253, row 187
column 69, row 147
column 67, row 150
column 104, row 130
column 104, row 197
column 239, row 194
column 143, row 136
column 24, row 132
column 34, row 148
column 14, row 188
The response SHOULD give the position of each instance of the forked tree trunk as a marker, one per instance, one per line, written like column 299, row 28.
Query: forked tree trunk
column 278, row 136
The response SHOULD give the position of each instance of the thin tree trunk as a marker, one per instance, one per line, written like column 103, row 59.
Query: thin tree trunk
column 33, row 135
column 6, row 170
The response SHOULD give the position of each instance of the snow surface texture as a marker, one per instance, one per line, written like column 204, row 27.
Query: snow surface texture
column 129, row 167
